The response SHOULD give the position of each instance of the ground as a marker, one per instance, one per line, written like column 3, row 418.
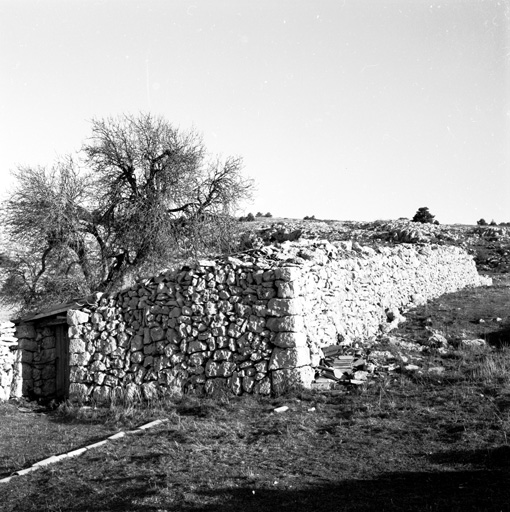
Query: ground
column 427, row 431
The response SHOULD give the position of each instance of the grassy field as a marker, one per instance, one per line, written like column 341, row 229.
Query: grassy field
column 406, row 440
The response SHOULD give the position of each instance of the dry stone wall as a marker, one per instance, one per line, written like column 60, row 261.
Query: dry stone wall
column 252, row 324
column 10, row 362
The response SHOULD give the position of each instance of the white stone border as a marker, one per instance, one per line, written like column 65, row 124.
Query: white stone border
column 80, row 451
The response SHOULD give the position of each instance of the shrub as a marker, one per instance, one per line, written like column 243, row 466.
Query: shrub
column 482, row 222
column 268, row 215
column 424, row 216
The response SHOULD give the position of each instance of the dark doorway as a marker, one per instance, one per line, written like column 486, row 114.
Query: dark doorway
column 62, row 361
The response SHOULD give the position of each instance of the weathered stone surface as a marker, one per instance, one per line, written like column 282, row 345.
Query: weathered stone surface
column 292, row 378
column 263, row 387
column 25, row 331
column 137, row 357
column 196, row 346
column 222, row 355
column 288, row 273
column 219, row 369
column 283, row 307
column 290, row 339
column 136, row 342
column 287, row 290
column 292, row 323
column 157, row 333
column 78, row 391
column 76, row 346
column 28, row 345
column 289, row 358
column 75, row 317
column 79, row 359
column 149, row 390
column 217, row 387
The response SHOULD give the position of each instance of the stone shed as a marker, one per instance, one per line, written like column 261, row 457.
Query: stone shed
column 254, row 323
column 44, row 346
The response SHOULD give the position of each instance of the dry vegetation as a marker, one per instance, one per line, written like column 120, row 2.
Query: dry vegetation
column 405, row 440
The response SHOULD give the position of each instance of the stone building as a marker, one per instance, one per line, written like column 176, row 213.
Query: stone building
column 254, row 323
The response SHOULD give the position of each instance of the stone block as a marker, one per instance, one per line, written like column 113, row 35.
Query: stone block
column 5, row 379
column 76, row 317
column 287, row 290
column 26, row 372
column 282, row 358
column 108, row 345
column 294, row 323
column 248, row 384
column 4, row 393
column 101, row 394
column 29, row 345
column 137, row 357
column 157, row 334
column 96, row 318
column 263, row 387
column 25, row 331
column 48, row 387
column 48, row 355
column 77, row 391
column 74, row 331
column 217, row 387
column 196, row 346
column 77, row 374
column 48, row 372
column 149, row 390
column 222, row 355
column 76, row 346
column 79, row 359
column 292, row 378
column 219, row 369
column 290, row 339
column 284, row 307
column 287, row 273
column 136, row 342
column 266, row 293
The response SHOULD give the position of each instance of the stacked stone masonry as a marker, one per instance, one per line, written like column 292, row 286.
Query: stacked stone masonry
column 251, row 324
column 10, row 362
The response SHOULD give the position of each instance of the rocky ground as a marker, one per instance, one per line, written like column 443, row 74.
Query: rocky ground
column 490, row 245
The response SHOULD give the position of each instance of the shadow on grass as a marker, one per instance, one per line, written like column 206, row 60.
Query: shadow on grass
column 500, row 338
column 483, row 490
column 459, row 491
column 493, row 458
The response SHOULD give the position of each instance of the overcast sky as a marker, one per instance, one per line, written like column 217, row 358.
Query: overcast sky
column 342, row 109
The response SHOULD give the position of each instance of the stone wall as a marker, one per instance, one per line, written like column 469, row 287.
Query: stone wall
column 252, row 324
column 10, row 362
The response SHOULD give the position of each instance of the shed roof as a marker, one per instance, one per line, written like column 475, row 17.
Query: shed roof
column 57, row 309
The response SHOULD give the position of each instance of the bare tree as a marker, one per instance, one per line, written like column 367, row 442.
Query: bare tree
column 146, row 192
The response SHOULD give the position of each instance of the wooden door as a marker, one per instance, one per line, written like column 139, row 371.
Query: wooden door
column 62, row 361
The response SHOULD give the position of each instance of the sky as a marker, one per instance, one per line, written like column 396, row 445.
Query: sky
column 342, row 109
